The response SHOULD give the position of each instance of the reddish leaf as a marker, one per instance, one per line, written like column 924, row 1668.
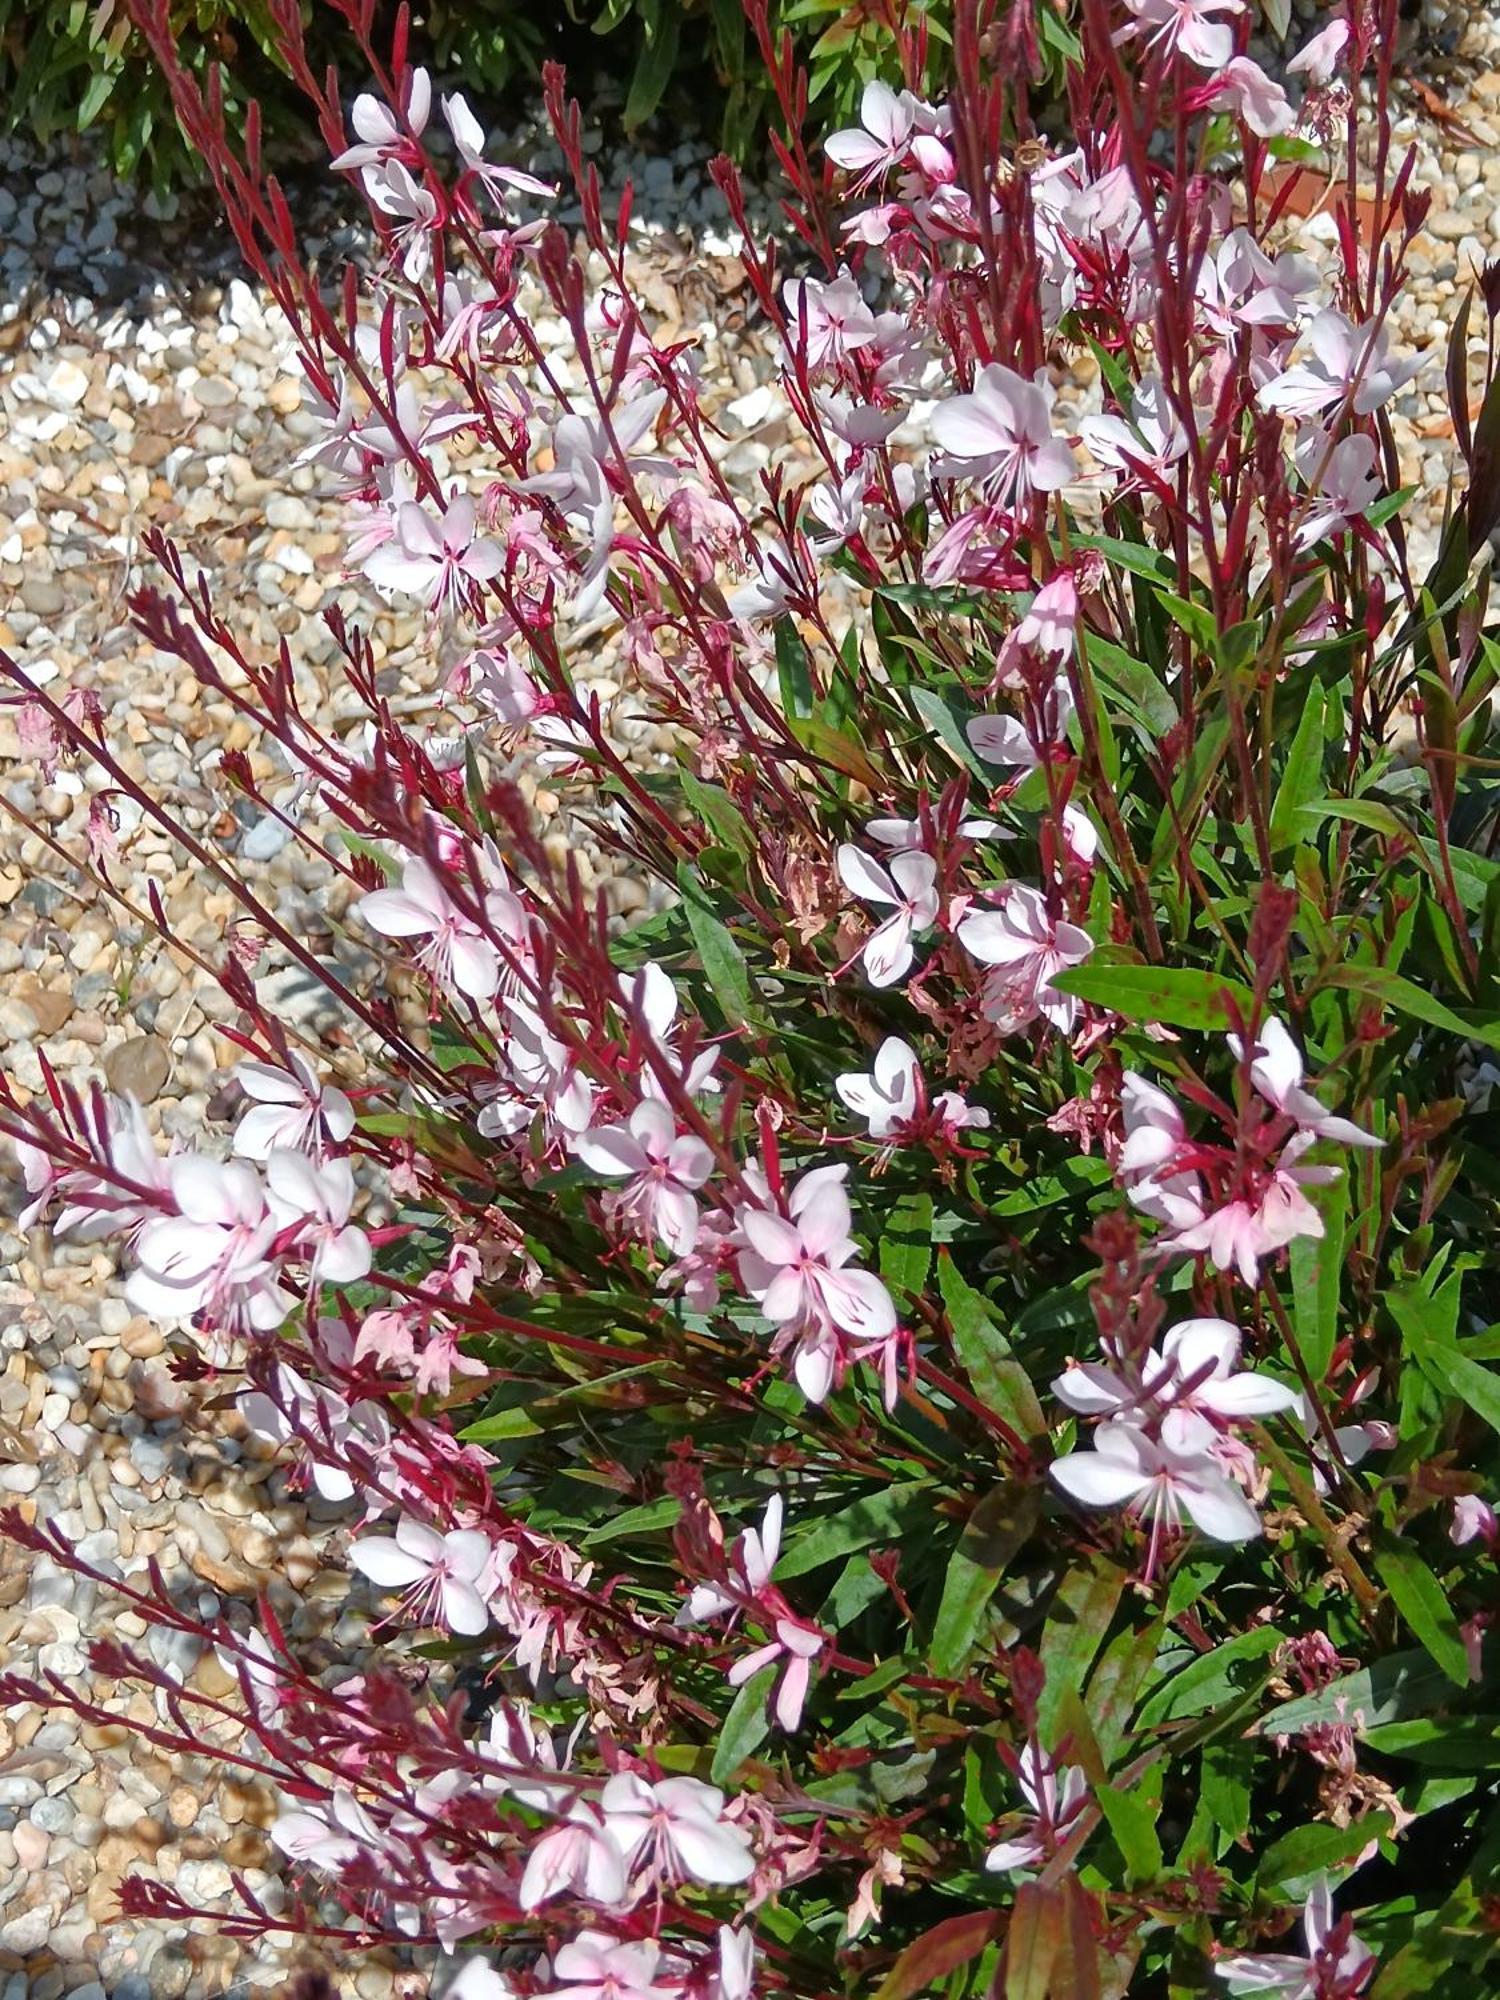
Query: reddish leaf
column 938, row 1952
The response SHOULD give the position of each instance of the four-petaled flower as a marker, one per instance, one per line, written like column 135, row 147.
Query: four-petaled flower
column 438, row 1575
column 909, row 887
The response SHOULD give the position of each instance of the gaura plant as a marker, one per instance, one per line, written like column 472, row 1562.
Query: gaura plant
column 924, row 1422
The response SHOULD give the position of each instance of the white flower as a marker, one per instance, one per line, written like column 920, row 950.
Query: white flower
column 576, row 1855
column 435, row 560
column 1126, row 1468
column 438, row 1575
column 468, row 137
column 333, row 1841
column 316, row 1198
column 886, row 1097
column 828, row 322
column 794, row 1265
column 676, row 1829
column 660, row 1166
column 214, row 1254
column 1026, row 947
column 1277, row 1074
column 1342, row 481
column 457, row 953
column 909, row 886
column 290, row 1108
column 380, row 132
column 1052, row 1805
column 750, row 1567
column 1194, row 1377
column 1337, row 1966
column 1002, row 435
column 889, row 121
column 1347, row 362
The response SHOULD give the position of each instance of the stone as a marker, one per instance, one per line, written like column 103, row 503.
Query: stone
column 27, row 1932
column 138, row 1068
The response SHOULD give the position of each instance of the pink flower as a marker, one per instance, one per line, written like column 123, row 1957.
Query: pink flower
column 1053, row 1806
column 1001, row 434
column 1027, row 947
column 290, row 1108
column 1239, row 1234
column 1348, row 364
column 909, row 886
column 577, row 1857
column 343, row 1834
column 597, row 1967
column 1337, row 1966
column 1318, row 59
column 675, row 1829
column 1341, row 479
column 1259, row 101
column 436, row 561
column 1154, row 1137
column 828, row 322
column 1151, row 440
column 660, row 1167
column 438, row 1575
column 1186, row 26
column 457, row 953
column 794, row 1265
column 1473, row 1519
column 796, row 1646
column 1127, row 1468
column 889, row 122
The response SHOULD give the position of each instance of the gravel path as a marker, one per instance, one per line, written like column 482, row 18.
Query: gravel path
column 132, row 399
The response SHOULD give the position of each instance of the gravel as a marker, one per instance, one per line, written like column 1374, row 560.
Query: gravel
column 144, row 385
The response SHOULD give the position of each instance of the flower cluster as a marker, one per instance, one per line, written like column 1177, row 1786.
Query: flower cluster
column 904, row 1322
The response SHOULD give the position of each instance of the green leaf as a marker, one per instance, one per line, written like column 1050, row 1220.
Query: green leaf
column 792, row 670
column 1302, row 777
column 995, row 1376
column 1291, row 1862
column 1211, row 1678
column 906, row 1246
column 746, row 1726
column 1393, row 994
column 722, row 960
column 718, row 811
column 887, row 1516
column 1175, row 996
column 994, row 1534
column 1078, row 1621
column 654, row 66
column 1317, row 1267
column 946, row 716
column 1132, row 1820
column 517, row 1423
column 1400, row 1685
column 1418, row 1596
column 651, row 1518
